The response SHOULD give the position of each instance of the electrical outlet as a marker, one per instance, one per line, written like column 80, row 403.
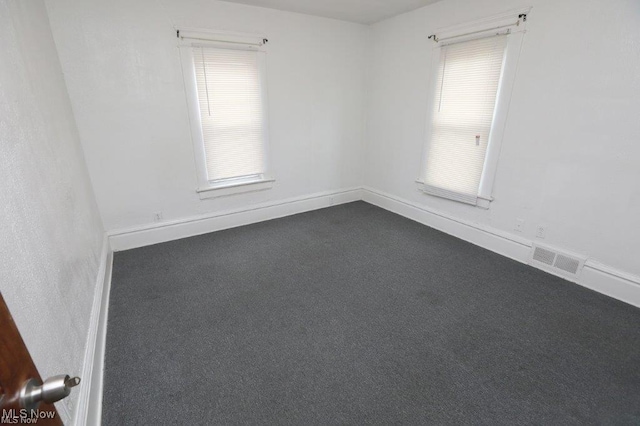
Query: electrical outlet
column 541, row 231
column 157, row 217
column 519, row 225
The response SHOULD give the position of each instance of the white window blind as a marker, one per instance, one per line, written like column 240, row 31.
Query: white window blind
column 230, row 97
column 463, row 110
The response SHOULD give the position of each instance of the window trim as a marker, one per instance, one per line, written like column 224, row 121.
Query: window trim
column 224, row 187
column 467, row 32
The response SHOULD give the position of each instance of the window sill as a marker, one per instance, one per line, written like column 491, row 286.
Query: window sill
column 480, row 201
column 224, row 189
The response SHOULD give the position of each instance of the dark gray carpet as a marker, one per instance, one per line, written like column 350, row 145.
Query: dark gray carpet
column 354, row 315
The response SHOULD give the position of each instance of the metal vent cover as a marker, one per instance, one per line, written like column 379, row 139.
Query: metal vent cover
column 556, row 262
column 543, row 255
column 567, row 264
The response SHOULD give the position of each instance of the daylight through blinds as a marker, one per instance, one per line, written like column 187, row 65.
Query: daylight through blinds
column 231, row 111
column 463, row 109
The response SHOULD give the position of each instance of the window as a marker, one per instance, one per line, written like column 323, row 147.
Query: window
column 471, row 82
column 227, row 96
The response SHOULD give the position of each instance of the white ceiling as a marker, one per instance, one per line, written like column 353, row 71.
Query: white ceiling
column 361, row 11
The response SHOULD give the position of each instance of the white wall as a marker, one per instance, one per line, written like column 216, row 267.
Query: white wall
column 123, row 71
column 51, row 239
column 570, row 156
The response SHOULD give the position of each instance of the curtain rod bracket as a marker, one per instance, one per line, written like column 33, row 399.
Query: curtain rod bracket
column 523, row 16
column 178, row 33
column 434, row 37
column 265, row 41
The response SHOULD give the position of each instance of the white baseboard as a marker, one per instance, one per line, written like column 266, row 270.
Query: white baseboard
column 612, row 282
column 146, row 235
column 595, row 276
column 89, row 410
column 503, row 243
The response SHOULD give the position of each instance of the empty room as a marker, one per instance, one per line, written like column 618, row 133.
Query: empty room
column 299, row 212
